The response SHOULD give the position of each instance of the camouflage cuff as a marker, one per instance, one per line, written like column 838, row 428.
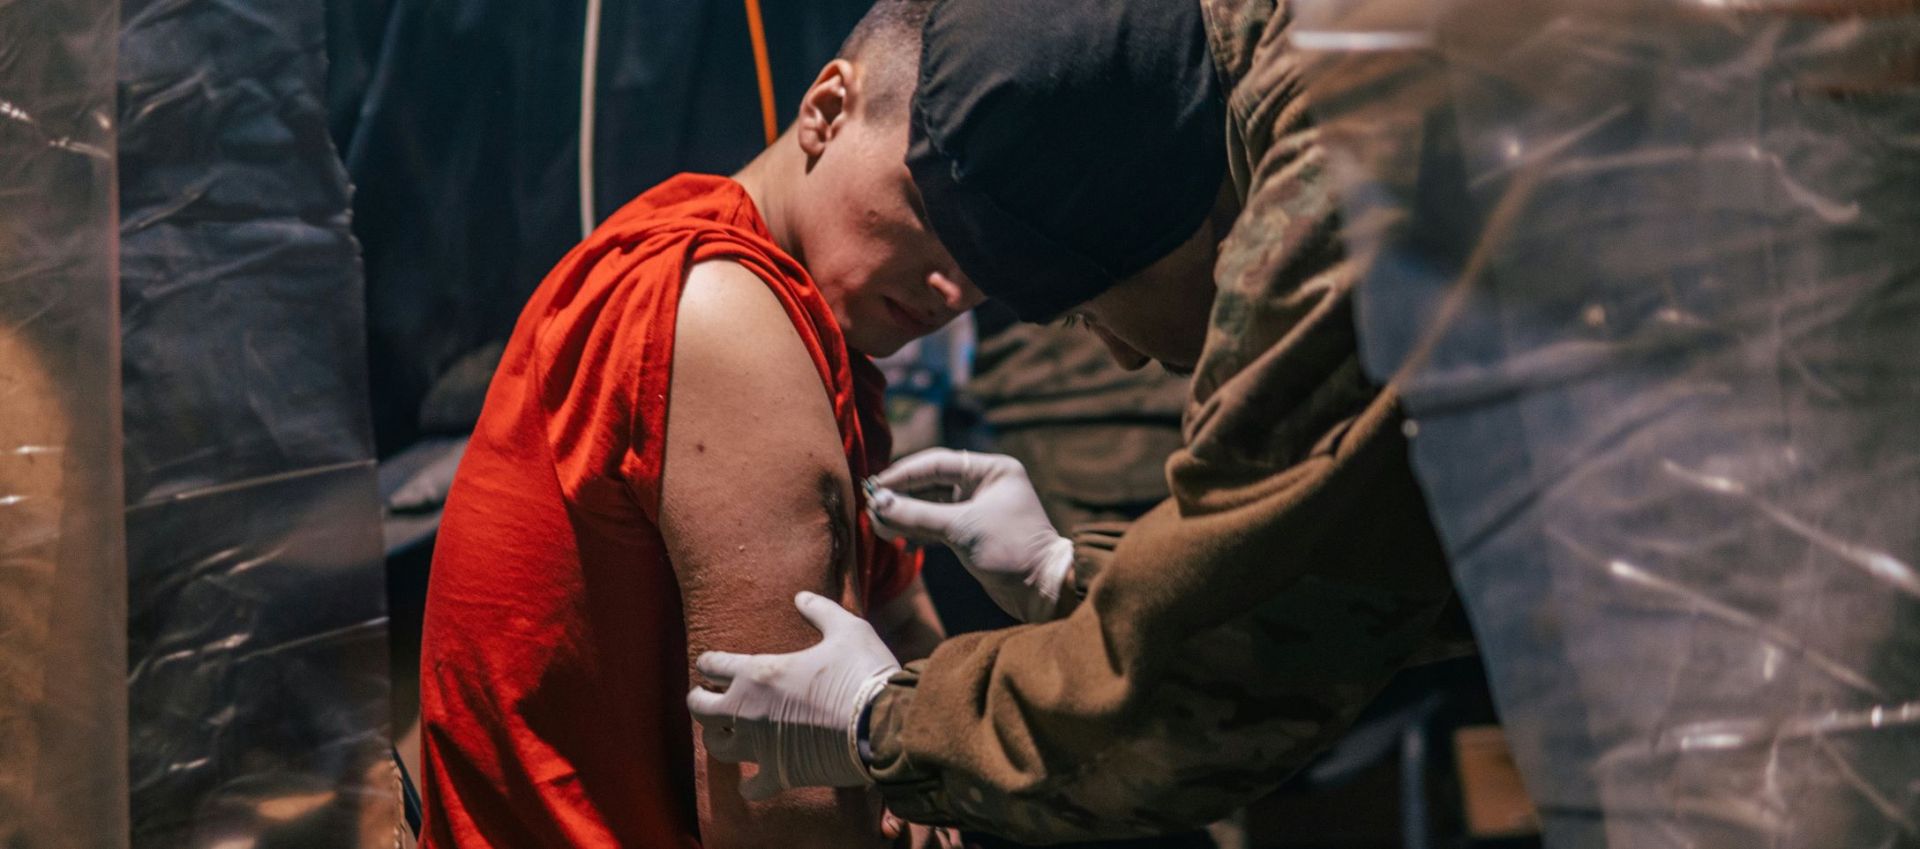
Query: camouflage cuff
column 909, row 793
column 1093, row 546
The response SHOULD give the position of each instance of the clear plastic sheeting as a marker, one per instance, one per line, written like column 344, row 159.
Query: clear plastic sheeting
column 258, row 648
column 62, row 570
column 1649, row 277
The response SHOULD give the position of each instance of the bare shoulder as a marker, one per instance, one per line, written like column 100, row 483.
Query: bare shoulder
column 735, row 346
column 723, row 297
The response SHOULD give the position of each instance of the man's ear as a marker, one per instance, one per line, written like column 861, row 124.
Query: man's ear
column 826, row 107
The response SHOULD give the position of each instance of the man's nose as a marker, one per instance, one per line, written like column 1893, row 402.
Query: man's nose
column 956, row 295
column 1123, row 354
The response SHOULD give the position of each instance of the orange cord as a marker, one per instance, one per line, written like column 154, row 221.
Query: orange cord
column 763, row 69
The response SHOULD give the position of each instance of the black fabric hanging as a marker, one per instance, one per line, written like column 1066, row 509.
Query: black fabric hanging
column 459, row 123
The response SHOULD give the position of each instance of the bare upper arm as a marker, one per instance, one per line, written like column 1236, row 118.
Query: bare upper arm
column 756, row 505
column 756, row 500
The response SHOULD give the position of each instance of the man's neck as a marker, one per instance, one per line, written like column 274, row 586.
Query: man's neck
column 768, row 181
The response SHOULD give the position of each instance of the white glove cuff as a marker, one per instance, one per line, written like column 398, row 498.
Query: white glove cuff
column 1049, row 580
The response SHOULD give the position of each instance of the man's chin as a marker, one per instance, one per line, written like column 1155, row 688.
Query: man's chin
column 1176, row 369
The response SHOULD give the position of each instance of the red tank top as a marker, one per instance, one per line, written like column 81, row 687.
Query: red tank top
column 553, row 665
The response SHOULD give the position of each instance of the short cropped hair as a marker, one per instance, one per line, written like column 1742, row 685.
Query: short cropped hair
column 886, row 46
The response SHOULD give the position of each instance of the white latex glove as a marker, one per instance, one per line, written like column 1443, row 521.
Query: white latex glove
column 796, row 715
column 996, row 524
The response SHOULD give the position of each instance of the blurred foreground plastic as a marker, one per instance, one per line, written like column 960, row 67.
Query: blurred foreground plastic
column 63, row 744
column 1649, row 274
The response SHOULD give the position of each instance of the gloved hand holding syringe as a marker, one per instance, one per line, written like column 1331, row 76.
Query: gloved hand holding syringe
column 984, row 508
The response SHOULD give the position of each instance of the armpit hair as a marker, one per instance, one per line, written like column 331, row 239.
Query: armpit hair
column 839, row 516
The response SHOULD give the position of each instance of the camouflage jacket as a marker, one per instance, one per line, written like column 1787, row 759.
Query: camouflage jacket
column 1239, row 626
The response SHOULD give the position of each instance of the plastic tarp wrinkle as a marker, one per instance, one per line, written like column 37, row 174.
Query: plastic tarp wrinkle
column 257, row 610
column 1647, row 275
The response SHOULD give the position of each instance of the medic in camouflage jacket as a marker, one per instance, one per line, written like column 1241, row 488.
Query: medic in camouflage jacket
column 1238, row 628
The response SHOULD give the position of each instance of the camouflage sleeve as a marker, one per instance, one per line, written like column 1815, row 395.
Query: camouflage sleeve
column 1237, row 628
column 1093, row 547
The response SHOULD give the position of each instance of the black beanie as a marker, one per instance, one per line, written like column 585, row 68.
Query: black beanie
column 1061, row 145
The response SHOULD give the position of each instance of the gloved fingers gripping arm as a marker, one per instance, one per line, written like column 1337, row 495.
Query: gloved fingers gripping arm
column 797, row 714
column 1000, row 531
column 718, row 669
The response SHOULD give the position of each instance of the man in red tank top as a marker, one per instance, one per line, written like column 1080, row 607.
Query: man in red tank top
column 665, row 459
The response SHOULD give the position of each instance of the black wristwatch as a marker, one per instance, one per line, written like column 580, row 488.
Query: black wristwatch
column 861, row 742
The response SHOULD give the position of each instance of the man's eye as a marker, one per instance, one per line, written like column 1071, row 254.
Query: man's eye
column 1075, row 320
